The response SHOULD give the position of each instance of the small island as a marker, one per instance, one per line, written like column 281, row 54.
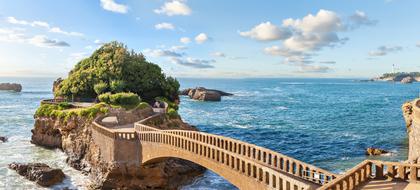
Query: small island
column 11, row 87
column 95, row 115
column 403, row 77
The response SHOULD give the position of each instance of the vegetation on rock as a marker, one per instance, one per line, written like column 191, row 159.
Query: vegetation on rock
column 400, row 75
column 63, row 112
column 123, row 99
column 113, row 68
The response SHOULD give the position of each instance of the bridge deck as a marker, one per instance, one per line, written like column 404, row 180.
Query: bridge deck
column 389, row 185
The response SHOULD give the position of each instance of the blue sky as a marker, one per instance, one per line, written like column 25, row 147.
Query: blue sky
column 215, row 38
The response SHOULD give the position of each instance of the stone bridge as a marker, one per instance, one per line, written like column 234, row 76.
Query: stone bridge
column 245, row 165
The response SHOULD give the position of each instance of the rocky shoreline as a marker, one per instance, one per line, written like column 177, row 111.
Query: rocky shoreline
column 75, row 138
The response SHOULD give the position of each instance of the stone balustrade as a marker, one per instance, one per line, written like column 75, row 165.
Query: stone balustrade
column 262, row 175
column 263, row 156
column 374, row 169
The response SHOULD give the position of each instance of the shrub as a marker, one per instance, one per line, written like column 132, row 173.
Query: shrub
column 171, row 104
column 123, row 70
column 172, row 113
column 142, row 105
column 106, row 98
column 123, row 99
column 100, row 88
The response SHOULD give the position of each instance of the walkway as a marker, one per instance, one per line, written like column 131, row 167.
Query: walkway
column 247, row 166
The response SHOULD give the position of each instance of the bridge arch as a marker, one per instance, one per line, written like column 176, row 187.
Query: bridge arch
column 222, row 156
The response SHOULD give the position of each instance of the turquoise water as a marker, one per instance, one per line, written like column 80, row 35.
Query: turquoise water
column 326, row 122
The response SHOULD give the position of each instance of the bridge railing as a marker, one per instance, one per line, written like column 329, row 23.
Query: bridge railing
column 263, row 156
column 113, row 134
column 374, row 169
column 248, row 167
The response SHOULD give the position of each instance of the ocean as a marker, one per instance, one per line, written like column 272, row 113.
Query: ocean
column 325, row 122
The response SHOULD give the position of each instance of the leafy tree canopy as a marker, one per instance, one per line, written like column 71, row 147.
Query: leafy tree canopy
column 113, row 68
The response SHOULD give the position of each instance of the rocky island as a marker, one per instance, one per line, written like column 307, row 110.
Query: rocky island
column 11, row 86
column 204, row 94
column 403, row 77
column 99, row 137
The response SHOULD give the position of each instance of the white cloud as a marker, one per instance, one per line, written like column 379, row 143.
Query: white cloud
column 58, row 30
column 17, row 36
column 384, row 50
column 218, row 54
column 194, row 63
column 201, row 38
column 311, row 34
column 314, row 69
column 162, row 53
column 360, row 18
column 12, row 35
column 164, row 26
column 42, row 24
column 185, row 40
column 177, row 48
column 111, row 5
column 267, row 32
column 43, row 41
column 323, row 22
column 173, row 8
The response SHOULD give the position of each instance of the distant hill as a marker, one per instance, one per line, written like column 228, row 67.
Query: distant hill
column 398, row 77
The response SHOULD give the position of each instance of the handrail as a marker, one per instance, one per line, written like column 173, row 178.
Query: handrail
column 374, row 169
column 263, row 156
column 247, row 167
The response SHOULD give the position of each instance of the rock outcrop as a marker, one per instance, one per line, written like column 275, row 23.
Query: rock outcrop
column 40, row 173
column 11, row 86
column 203, row 94
column 375, row 151
column 87, row 151
column 3, row 139
column 411, row 112
column 407, row 80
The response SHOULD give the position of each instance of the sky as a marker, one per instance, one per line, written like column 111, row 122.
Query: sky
column 216, row 38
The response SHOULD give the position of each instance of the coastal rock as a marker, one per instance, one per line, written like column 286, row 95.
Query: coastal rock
column 407, row 80
column 203, row 94
column 3, row 139
column 407, row 109
column 11, row 86
column 375, row 151
column 82, row 144
column 41, row 173
column 411, row 113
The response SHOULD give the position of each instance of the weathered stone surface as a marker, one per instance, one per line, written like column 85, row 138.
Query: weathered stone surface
column 87, row 151
column 407, row 80
column 3, row 139
column 41, row 173
column 203, row 94
column 411, row 112
column 375, row 151
column 11, row 86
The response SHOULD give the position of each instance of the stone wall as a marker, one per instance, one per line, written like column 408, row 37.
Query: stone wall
column 411, row 112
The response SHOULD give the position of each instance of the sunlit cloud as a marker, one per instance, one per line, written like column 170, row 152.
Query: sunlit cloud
column 173, row 8
column 111, row 5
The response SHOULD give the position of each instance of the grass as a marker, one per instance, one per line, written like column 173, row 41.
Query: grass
column 62, row 112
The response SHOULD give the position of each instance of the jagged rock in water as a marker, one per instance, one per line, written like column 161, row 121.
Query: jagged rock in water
column 11, row 86
column 375, row 151
column 3, row 139
column 407, row 80
column 40, row 173
column 203, row 94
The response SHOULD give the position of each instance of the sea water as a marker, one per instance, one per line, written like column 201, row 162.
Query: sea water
column 325, row 122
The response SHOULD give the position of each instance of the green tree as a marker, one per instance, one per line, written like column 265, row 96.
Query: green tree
column 121, row 70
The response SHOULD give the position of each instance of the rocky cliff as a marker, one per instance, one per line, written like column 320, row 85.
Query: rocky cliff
column 411, row 112
column 75, row 136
